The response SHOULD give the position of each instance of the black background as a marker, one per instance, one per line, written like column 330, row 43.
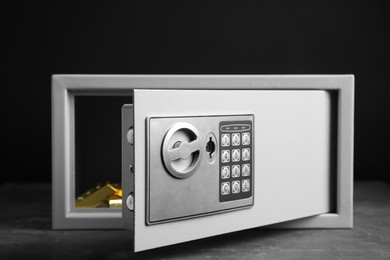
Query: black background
column 188, row 37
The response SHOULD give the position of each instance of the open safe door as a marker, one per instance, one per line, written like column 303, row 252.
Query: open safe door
column 199, row 163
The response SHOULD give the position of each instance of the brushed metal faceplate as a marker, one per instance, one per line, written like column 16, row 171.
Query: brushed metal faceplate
column 171, row 198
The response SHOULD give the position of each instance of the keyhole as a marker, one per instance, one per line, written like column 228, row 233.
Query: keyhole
column 210, row 147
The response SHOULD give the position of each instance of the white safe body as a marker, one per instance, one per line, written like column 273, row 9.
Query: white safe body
column 302, row 151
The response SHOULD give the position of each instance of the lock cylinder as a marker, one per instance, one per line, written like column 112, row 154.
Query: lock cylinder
column 211, row 148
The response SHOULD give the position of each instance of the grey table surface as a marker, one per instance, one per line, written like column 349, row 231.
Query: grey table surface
column 25, row 233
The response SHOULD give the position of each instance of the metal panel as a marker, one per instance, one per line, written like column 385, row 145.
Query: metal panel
column 170, row 198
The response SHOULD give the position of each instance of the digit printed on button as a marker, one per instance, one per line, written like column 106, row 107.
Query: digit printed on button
column 235, row 139
column 246, row 139
column 235, row 186
column 225, row 156
column 225, row 140
column 245, row 170
column 225, row 188
column 246, row 155
column 225, row 172
column 236, row 155
column 235, row 171
column 246, row 185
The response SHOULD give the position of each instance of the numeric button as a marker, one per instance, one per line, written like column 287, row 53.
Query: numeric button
column 236, row 171
column 235, row 186
column 235, row 139
column 225, row 172
column 225, row 188
column 246, row 170
column 225, row 140
column 235, row 155
column 246, row 139
column 246, row 154
column 246, row 185
column 225, row 156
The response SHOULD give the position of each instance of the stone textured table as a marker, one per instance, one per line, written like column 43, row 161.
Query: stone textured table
column 25, row 233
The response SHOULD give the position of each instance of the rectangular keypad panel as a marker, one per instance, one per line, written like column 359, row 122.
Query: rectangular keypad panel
column 235, row 165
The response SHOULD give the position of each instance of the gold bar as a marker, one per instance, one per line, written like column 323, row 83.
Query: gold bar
column 99, row 197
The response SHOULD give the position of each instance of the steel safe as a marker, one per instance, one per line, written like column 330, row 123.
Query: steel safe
column 194, row 156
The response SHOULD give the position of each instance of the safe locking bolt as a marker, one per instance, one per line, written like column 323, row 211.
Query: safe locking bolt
column 198, row 165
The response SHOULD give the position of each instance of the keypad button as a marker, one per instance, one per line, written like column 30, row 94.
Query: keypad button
column 235, row 155
column 225, row 140
column 235, row 186
column 236, row 171
column 246, row 139
column 225, row 188
column 246, row 185
column 246, row 170
column 225, row 172
column 235, row 139
column 225, row 156
column 246, row 155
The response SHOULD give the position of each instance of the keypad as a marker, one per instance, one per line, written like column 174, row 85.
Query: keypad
column 236, row 167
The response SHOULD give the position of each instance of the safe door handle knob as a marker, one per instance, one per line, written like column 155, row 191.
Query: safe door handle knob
column 184, row 150
column 182, row 146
